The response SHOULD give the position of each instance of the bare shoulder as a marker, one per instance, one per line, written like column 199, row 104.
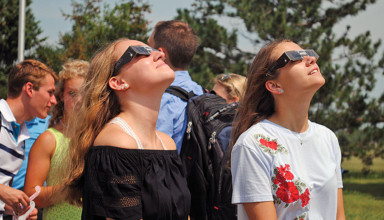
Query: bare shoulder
column 45, row 143
column 169, row 143
column 114, row 135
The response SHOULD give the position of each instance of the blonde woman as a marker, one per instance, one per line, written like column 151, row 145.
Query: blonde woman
column 230, row 86
column 49, row 151
column 121, row 167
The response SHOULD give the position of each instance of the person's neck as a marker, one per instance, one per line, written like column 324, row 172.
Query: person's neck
column 18, row 110
column 173, row 67
column 291, row 115
column 179, row 69
column 141, row 115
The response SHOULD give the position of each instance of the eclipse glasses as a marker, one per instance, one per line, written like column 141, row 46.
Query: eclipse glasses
column 293, row 55
column 130, row 53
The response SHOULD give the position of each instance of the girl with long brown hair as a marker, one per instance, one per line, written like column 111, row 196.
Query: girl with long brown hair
column 284, row 166
column 121, row 167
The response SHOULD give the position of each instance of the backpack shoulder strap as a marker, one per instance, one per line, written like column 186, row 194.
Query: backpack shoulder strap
column 180, row 92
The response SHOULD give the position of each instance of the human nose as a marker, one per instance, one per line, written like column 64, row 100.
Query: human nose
column 158, row 55
column 53, row 100
column 310, row 60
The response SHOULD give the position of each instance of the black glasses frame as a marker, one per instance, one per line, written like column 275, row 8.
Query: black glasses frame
column 293, row 55
column 130, row 53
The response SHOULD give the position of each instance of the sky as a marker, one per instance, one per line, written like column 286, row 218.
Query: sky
column 49, row 13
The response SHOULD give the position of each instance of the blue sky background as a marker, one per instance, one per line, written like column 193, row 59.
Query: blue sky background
column 49, row 13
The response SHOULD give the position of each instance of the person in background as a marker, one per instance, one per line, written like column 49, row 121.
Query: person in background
column 283, row 165
column 35, row 127
column 51, row 148
column 230, row 86
column 121, row 166
column 178, row 41
column 31, row 88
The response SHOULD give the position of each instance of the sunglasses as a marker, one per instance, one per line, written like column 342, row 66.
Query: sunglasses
column 130, row 53
column 293, row 55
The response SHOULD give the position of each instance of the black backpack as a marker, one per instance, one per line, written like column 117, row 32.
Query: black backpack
column 205, row 154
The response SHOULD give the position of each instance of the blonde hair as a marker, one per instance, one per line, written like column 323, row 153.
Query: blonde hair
column 71, row 69
column 234, row 84
column 99, row 105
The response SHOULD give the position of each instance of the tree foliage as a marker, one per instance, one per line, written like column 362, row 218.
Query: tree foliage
column 350, row 65
column 95, row 24
column 218, row 51
column 9, row 23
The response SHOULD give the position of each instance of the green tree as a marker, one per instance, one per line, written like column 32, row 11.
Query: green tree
column 9, row 23
column 350, row 65
column 95, row 24
column 218, row 51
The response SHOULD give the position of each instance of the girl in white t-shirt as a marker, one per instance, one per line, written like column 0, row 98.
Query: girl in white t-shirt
column 283, row 165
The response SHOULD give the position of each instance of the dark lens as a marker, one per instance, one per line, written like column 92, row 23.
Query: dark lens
column 312, row 53
column 294, row 55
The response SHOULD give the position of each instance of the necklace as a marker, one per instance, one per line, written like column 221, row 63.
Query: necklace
column 300, row 136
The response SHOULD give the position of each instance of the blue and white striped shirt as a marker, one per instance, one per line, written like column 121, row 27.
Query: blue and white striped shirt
column 11, row 151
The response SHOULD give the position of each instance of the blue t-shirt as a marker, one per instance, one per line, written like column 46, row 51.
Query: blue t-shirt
column 35, row 127
column 172, row 118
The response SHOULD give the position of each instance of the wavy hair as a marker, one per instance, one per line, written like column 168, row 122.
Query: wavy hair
column 258, row 103
column 70, row 70
column 99, row 105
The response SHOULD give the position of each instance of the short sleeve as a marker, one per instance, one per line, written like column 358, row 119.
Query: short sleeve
column 250, row 175
column 337, row 150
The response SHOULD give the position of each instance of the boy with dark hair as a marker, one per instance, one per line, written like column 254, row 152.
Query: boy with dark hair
column 179, row 43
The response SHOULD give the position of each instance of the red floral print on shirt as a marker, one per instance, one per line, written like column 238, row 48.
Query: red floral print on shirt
column 304, row 198
column 287, row 190
column 270, row 145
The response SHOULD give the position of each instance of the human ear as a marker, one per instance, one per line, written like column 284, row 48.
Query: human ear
column 117, row 84
column 28, row 87
column 274, row 87
column 161, row 49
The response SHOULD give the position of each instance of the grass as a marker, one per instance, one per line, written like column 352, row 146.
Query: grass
column 363, row 195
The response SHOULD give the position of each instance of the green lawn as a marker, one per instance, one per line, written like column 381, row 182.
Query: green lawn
column 363, row 195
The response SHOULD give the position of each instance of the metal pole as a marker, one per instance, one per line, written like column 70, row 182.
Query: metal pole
column 20, row 47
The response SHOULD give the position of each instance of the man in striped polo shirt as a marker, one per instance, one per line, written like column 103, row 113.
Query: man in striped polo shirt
column 31, row 88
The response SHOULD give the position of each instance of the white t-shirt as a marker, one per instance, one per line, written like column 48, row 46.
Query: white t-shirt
column 269, row 163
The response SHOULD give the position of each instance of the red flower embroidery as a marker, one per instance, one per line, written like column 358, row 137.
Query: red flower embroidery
column 304, row 198
column 284, row 171
column 286, row 189
column 288, row 192
column 269, row 144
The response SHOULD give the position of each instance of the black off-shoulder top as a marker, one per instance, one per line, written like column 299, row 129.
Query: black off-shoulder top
column 135, row 184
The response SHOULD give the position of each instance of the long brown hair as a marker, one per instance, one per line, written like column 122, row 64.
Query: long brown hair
column 99, row 105
column 258, row 103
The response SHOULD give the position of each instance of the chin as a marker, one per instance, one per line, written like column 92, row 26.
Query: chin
column 42, row 115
